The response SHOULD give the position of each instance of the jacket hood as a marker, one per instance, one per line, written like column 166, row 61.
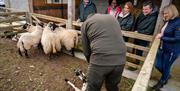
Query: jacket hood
column 155, row 10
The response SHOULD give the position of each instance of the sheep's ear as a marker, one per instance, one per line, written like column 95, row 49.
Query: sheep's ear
column 34, row 24
column 25, row 26
column 41, row 24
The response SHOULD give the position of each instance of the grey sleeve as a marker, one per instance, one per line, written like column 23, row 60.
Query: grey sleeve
column 85, row 43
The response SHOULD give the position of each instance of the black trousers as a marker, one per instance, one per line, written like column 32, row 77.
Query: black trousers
column 98, row 74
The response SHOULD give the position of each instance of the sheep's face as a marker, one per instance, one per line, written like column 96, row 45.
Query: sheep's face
column 26, row 26
column 41, row 24
column 52, row 26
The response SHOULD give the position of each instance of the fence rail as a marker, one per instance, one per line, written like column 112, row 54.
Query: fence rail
column 143, row 78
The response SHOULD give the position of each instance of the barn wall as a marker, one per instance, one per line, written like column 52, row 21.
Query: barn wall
column 56, row 10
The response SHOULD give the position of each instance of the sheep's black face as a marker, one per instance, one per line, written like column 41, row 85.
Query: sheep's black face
column 41, row 24
column 25, row 26
column 53, row 26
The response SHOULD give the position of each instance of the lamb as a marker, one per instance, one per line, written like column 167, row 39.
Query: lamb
column 29, row 39
column 69, row 39
column 82, row 77
column 50, row 40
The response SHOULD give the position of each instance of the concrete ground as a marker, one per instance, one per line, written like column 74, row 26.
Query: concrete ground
column 174, row 82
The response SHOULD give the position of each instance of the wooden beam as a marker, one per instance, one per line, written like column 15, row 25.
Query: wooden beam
column 50, row 18
column 31, row 9
column 137, row 47
column 137, row 35
column 70, row 16
column 55, row 19
column 12, row 13
column 11, row 26
column 142, row 81
column 35, row 18
column 8, row 20
column 133, row 65
column 135, row 56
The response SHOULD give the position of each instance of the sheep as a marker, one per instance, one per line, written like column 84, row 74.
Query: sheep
column 50, row 40
column 69, row 39
column 82, row 77
column 29, row 28
column 29, row 39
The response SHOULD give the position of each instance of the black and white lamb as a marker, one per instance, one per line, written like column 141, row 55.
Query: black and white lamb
column 81, row 75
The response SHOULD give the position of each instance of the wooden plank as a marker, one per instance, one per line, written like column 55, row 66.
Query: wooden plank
column 70, row 16
column 11, row 9
column 12, row 19
column 55, row 19
column 133, row 65
column 137, row 35
column 135, row 56
column 142, row 81
column 137, row 47
column 31, row 8
column 11, row 26
column 35, row 18
column 12, row 13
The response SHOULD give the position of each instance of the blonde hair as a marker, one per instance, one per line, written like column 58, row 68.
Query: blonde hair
column 172, row 10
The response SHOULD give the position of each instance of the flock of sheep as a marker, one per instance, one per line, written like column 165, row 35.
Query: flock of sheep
column 50, row 37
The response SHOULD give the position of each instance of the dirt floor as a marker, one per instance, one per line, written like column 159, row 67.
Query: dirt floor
column 38, row 73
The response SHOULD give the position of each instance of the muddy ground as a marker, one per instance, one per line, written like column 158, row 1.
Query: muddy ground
column 38, row 73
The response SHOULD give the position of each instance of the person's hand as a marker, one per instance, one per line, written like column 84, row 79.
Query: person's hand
column 158, row 36
column 135, row 31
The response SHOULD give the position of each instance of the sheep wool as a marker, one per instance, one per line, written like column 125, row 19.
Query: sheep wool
column 50, row 41
column 69, row 38
column 29, row 39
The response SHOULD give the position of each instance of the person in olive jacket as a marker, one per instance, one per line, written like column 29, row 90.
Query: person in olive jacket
column 145, row 24
column 105, row 50
column 86, row 7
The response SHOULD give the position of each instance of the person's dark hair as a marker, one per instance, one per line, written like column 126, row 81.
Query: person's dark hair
column 117, row 1
column 148, row 3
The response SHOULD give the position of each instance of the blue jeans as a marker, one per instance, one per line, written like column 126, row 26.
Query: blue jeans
column 164, row 61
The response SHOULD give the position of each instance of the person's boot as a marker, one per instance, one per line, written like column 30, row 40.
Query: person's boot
column 158, row 86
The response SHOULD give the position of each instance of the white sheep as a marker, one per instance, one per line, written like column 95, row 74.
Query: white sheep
column 28, row 39
column 50, row 40
column 69, row 39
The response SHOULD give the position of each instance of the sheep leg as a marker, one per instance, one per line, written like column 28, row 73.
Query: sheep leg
column 72, row 85
column 72, row 52
column 19, row 51
column 50, row 56
column 40, row 46
column 26, row 54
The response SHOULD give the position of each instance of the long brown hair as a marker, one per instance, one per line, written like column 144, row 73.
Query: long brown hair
column 130, row 6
